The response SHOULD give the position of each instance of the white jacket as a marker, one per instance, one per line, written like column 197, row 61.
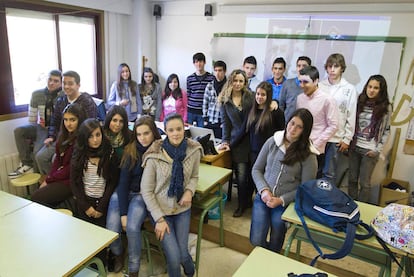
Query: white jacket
column 346, row 98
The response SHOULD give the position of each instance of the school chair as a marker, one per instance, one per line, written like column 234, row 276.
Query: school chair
column 26, row 180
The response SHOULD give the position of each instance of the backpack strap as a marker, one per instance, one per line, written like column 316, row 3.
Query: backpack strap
column 346, row 246
column 368, row 228
column 391, row 254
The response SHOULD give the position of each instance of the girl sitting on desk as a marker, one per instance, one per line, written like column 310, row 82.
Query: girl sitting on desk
column 286, row 160
column 168, row 184
column 127, row 209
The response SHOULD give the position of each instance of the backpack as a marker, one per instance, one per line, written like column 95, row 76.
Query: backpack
column 324, row 203
column 394, row 225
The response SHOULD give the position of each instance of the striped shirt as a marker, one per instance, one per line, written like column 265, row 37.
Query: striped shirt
column 196, row 86
column 94, row 184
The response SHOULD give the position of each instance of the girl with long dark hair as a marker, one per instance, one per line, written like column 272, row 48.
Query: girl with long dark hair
column 124, row 92
column 371, row 132
column 174, row 99
column 55, row 189
column 286, row 160
column 127, row 210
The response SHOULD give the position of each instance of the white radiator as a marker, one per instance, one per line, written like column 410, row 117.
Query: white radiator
column 8, row 163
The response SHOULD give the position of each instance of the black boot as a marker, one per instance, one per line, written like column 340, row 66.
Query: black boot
column 238, row 212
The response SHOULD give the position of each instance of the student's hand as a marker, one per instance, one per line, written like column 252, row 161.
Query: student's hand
column 224, row 146
column 44, row 184
column 124, row 221
column 160, row 228
column 186, row 198
column 90, row 211
column 343, row 147
column 274, row 105
column 274, row 202
column 48, row 141
column 97, row 214
column 266, row 195
column 372, row 154
column 124, row 102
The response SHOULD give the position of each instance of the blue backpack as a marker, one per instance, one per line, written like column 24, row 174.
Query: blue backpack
column 323, row 202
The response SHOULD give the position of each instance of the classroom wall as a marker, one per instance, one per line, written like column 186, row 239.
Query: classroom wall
column 131, row 32
column 184, row 30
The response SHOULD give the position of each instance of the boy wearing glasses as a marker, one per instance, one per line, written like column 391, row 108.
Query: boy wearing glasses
column 346, row 97
column 323, row 109
column 40, row 113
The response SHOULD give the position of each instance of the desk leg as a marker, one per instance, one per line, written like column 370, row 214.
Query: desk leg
column 199, row 238
column 289, row 241
column 221, row 205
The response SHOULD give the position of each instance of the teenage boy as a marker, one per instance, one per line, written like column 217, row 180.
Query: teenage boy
column 346, row 97
column 71, row 85
column 196, row 85
column 291, row 89
column 278, row 71
column 323, row 109
column 40, row 112
column 249, row 67
column 211, row 109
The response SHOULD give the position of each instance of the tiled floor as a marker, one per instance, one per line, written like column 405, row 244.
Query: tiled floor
column 216, row 261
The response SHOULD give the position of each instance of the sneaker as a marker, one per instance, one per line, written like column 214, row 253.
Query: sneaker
column 20, row 171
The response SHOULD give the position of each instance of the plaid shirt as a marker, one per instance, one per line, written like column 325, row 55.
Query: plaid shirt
column 211, row 109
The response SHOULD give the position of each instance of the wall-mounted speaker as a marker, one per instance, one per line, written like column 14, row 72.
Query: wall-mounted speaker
column 208, row 10
column 157, row 11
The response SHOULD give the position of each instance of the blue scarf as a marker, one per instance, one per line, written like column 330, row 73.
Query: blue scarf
column 177, row 175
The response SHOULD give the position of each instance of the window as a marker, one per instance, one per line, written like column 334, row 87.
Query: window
column 38, row 39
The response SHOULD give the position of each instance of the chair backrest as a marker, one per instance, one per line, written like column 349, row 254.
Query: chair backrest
column 100, row 104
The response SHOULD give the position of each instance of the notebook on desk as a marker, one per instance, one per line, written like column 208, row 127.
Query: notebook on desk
column 201, row 132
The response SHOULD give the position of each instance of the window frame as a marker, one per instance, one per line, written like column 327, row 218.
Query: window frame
column 8, row 109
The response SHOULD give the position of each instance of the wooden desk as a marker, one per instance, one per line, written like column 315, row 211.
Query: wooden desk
column 367, row 250
column 262, row 262
column 38, row 241
column 209, row 193
column 10, row 203
column 222, row 159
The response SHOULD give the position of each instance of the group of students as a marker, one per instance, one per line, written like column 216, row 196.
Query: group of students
column 97, row 171
column 280, row 135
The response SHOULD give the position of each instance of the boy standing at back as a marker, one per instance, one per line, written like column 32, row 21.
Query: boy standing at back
column 346, row 97
column 249, row 67
column 211, row 109
column 278, row 78
column 196, row 85
column 291, row 89
column 323, row 109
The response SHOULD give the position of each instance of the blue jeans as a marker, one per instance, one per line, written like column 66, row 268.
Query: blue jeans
column 24, row 136
column 137, row 212
column 336, row 164
column 360, row 167
column 175, row 245
column 191, row 117
column 44, row 158
column 263, row 219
